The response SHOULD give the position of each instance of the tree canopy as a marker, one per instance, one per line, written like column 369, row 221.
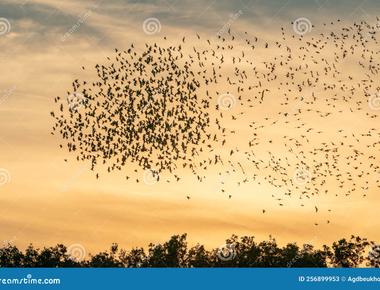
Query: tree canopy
column 237, row 252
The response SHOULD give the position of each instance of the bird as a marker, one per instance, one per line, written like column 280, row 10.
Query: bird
column 181, row 105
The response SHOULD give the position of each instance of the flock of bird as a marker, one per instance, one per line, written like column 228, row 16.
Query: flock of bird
column 285, row 112
column 143, row 109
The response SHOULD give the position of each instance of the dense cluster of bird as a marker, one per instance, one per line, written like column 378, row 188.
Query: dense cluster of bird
column 144, row 109
column 167, row 107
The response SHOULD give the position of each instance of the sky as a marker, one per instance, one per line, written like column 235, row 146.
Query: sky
column 45, row 201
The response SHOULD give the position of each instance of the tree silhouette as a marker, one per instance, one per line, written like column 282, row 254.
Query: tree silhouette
column 374, row 256
column 237, row 252
column 348, row 254
column 105, row 259
column 170, row 254
column 198, row 257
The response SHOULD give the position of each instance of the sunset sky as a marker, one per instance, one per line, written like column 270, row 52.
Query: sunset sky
column 46, row 201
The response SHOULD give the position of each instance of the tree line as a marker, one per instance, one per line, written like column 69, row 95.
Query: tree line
column 237, row 252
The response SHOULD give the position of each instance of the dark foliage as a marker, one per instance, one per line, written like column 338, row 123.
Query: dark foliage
column 238, row 252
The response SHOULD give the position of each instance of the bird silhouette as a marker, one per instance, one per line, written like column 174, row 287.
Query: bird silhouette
column 168, row 107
